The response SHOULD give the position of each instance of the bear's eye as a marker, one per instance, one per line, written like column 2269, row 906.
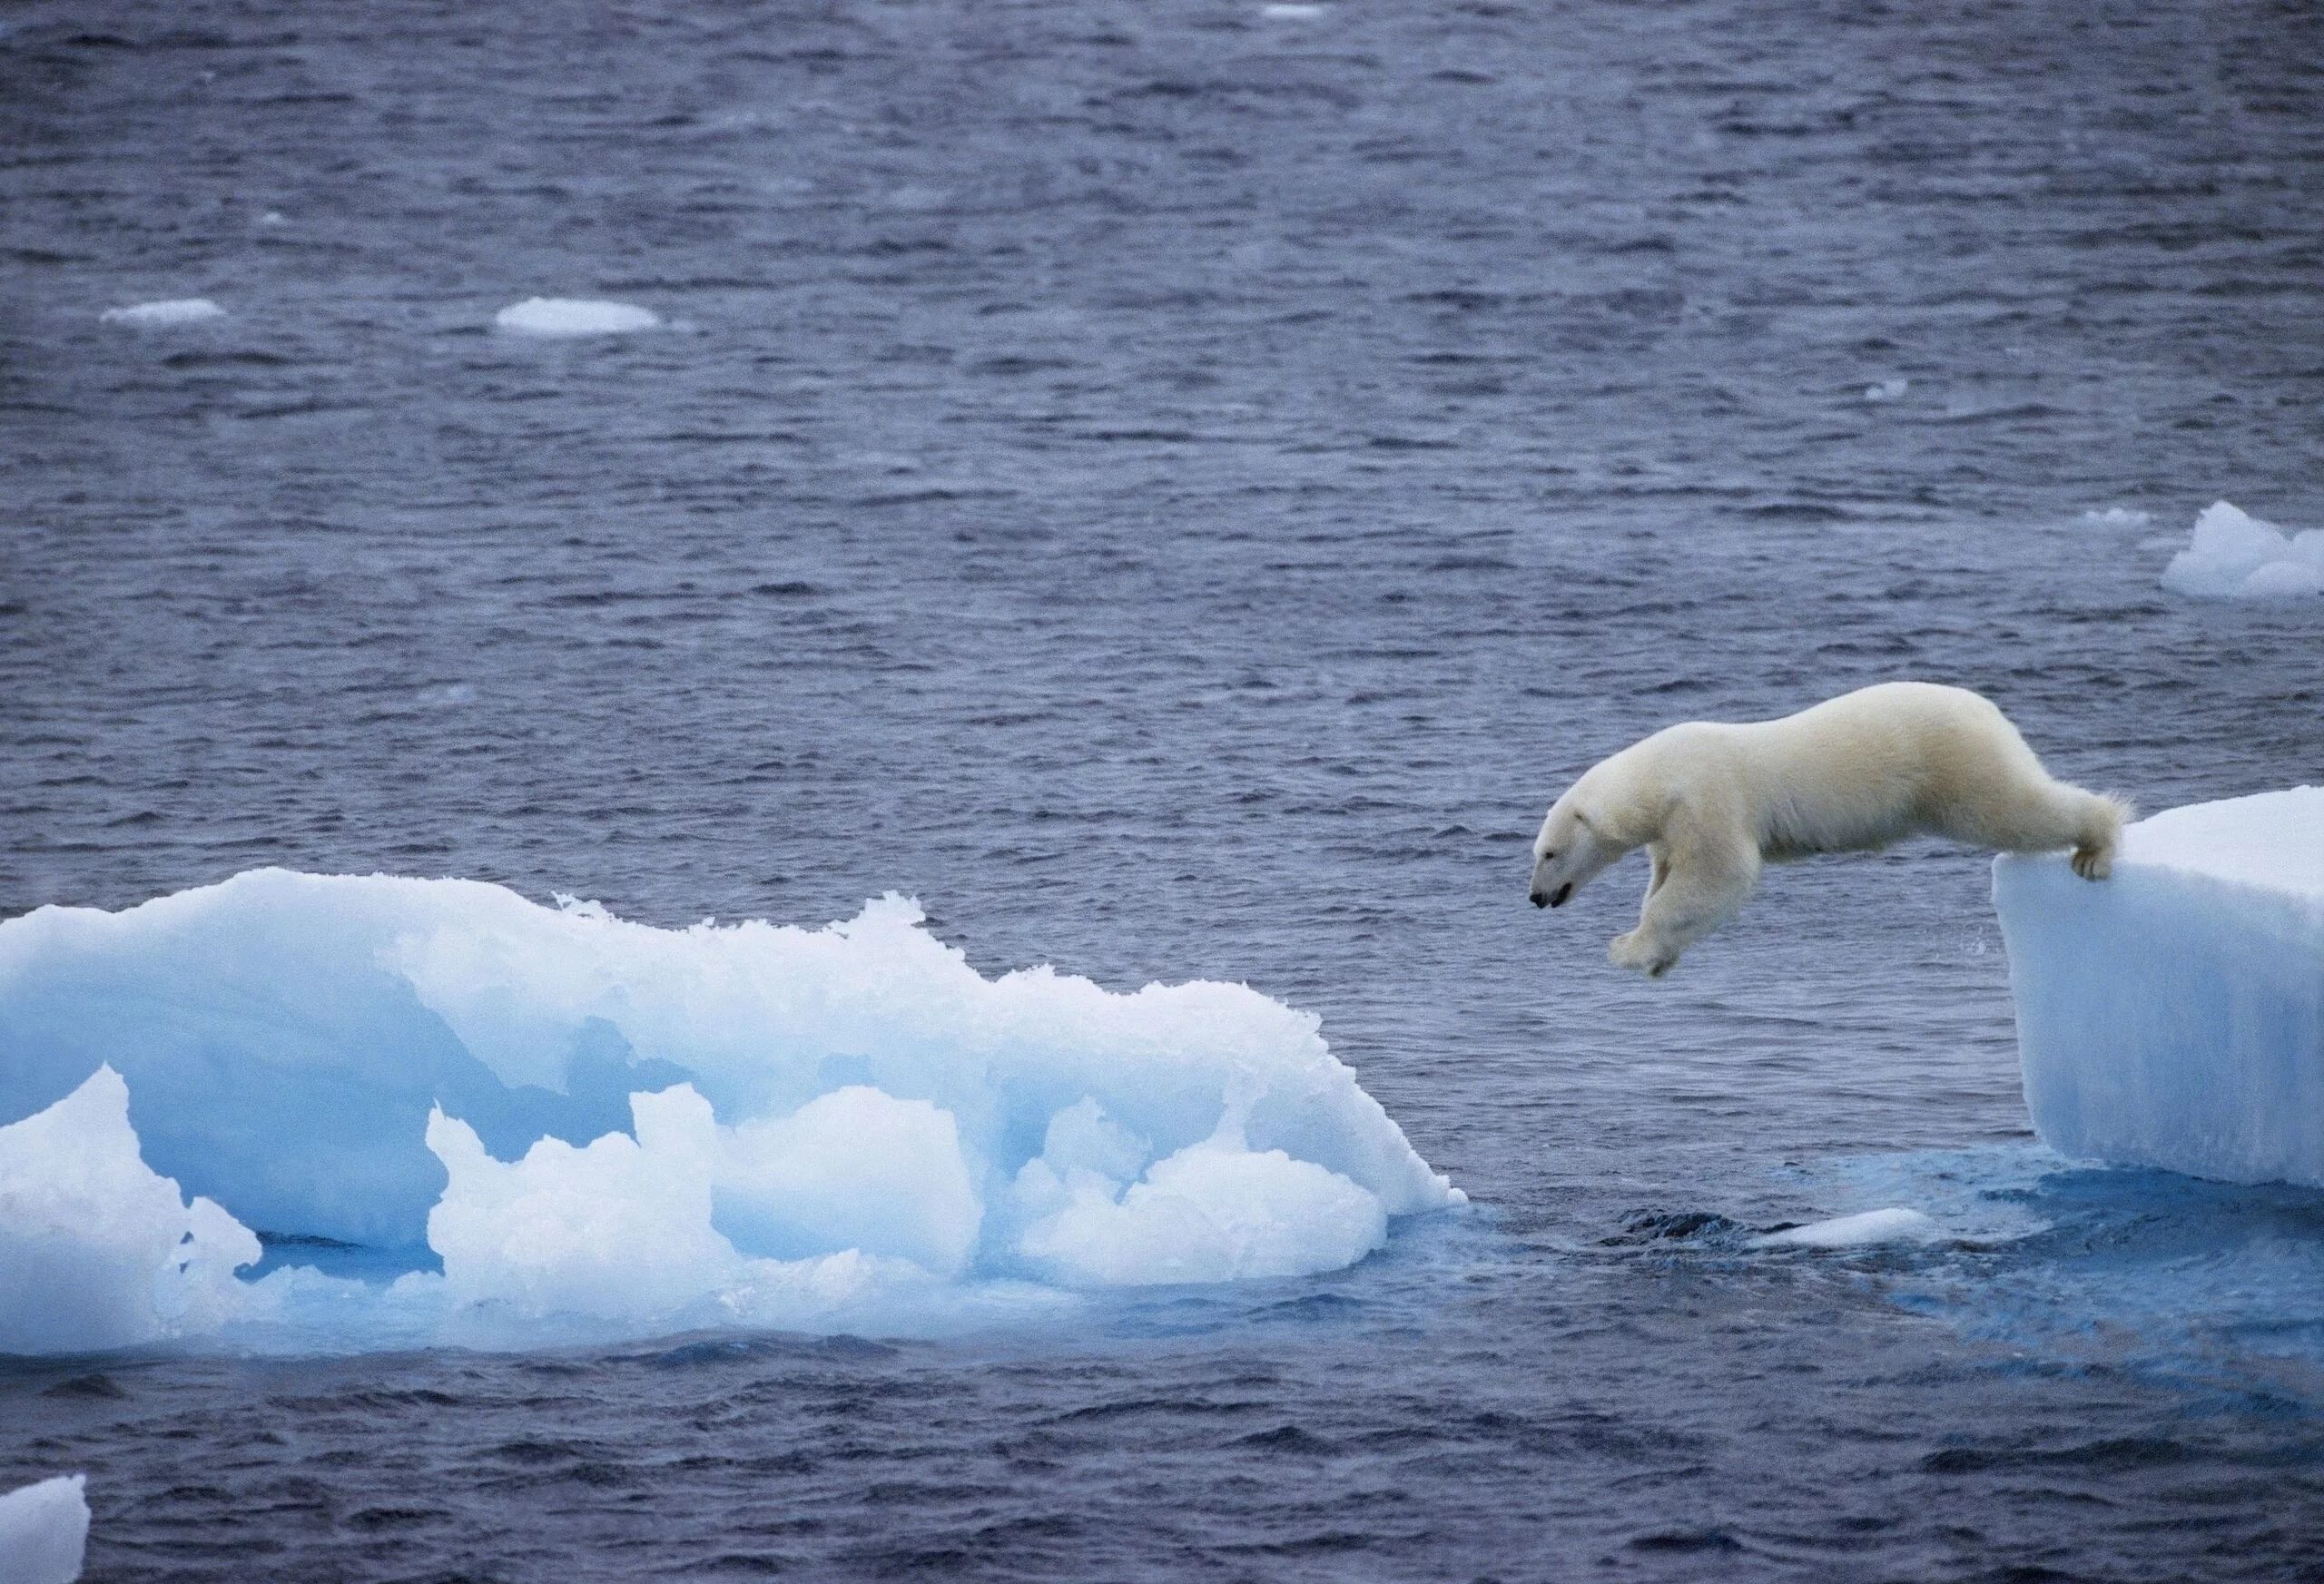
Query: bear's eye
column 1547, row 856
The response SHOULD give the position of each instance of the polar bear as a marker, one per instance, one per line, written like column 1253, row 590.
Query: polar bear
column 1711, row 801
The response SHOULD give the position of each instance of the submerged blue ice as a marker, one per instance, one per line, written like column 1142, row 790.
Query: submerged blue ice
column 582, row 1119
column 2173, row 1015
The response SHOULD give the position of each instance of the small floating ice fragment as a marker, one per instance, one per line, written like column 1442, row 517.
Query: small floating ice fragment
column 43, row 1530
column 1895, row 1225
column 2233, row 554
column 153, row 315
column 2118, row 516
column 573, row 316
column 1289, row 11
column 1886, row 390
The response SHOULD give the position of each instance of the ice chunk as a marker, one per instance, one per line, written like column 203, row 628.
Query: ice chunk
column 2235, row 555
column 853, row 1169
column 584, row 1116
column 1216, row 1210
column 869, row 1190
column 2117, row 516
column 1895, row 1225
column 2173, row 1015
column 43, row 1530
column 573, row 316
column 1210, row 1213
column 96, row 1251
column 1887, row 389
column 620, row 1227
column 154, row 315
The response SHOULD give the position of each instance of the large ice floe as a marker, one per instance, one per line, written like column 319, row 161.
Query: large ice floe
column 44, row 1531
column 551, row 1121
column 2232, row 555
column 2173, row 1015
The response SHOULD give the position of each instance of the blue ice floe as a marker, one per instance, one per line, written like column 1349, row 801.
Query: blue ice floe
column 572, row 1124
column 2173, row 1015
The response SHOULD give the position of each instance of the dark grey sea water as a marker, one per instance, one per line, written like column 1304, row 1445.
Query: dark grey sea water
column 1179, row 489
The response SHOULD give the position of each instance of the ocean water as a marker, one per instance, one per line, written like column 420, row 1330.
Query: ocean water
column 1178, row 489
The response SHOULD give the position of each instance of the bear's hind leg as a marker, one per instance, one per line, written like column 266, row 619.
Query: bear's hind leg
column 2043, row 817
column 2100, row 833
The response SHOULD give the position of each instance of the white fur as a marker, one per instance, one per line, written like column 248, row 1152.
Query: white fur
column 1710, row 802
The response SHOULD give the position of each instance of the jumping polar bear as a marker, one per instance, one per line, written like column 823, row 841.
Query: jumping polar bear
column 1710, row 802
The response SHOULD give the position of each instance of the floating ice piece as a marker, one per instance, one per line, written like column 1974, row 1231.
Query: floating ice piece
column 2235, row 555
column 1887, row 389
column 2173, row 1015
column 583, row 1116
column 96, row 1251
column 619, row 1227
column 1216, row 1210
column 44, row 1531
column 1895, row 1225
column 853, row 1169
column 629, row 1228
column 153, row 315
column 1291, row 11
column 1212, row 1214
column 575, row 315
column 2117, row 516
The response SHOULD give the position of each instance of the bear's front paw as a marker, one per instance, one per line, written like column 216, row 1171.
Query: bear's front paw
column 2093, row 864
column 1639, row 950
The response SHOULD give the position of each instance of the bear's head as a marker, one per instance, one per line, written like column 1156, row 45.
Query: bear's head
column 1569, row 852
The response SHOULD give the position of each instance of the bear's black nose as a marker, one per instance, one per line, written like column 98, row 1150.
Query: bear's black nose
column 1539, row 900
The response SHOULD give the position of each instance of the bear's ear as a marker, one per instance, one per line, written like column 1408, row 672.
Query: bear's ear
column 1582, row 817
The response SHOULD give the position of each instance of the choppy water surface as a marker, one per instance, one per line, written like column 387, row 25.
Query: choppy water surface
column 1178, row 489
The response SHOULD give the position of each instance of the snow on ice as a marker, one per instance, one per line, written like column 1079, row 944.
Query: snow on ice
column 44, row 1531
column 579, row 1117
column 2234, row 556
column 2173, row 1015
